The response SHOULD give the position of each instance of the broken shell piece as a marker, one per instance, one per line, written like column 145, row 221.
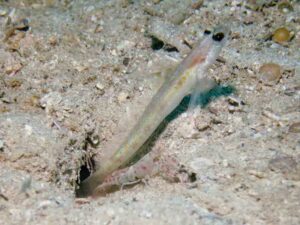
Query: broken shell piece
column 271, row 115
column 81, row 68
column 270, row 73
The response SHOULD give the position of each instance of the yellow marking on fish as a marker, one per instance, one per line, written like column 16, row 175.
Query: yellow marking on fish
column 183, row 79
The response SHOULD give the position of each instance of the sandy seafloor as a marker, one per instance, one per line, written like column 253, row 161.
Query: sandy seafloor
column 85, row 70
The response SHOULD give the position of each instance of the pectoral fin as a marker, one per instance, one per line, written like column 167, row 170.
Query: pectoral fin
column 203, row 85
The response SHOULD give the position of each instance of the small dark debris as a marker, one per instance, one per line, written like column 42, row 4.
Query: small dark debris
column 3, row 196
column 192, row 177
column 207, row 32
column 187, row 44
column 126, row 61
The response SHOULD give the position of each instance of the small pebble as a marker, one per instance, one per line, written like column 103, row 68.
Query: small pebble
column 34, row 101
column 202, row 125
column 15, row 83
column 202, row 122
column 126, row 61
column 53, row 40
column 188, row 131
column 44, row 204
column 122, row 97
column 270, row 73
column 100, row 86
column 98, row 28
column 281, row 35
column 295, row 128
column 225, row 163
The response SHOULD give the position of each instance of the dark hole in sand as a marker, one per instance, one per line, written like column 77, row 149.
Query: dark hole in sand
column 85, row 170
column 158, row 44
column 83, row 173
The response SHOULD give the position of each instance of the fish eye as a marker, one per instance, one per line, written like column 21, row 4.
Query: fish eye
column 218, row 36
column 207, row 32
